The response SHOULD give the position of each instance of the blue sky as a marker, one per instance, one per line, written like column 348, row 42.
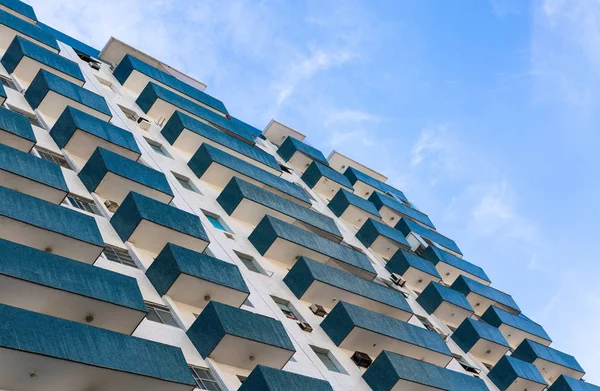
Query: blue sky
column 484, row 112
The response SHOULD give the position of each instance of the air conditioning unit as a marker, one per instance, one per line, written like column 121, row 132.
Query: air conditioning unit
column 318, row 310
column 143, row 123
column 305, row 326
column 362, row 359
column 111, row 206
column 398, row 280
column 94, row 65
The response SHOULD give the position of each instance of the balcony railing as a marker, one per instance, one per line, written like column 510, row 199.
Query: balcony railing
column 509, row 371
column 515, row 328
column 352, row 209
column 391, row 211
column 325, row 180
column 15, row 130
column 483, row 296
column 385, row 241
column 300, row 155
column 450, row 266
column 483, row 341
column 19, row 9
column 410, row 227
column 448, row 305
column 270, row 379
column 365, row 185
column 12, row 26
column 416, row 271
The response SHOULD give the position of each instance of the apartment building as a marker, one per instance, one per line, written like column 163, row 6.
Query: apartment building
column 150, row 240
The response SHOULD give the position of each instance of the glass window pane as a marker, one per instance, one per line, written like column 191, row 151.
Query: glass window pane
column 250, row 265
column 152, row 316
column 324, row 357
column 184, row 183
column 166, row 317
column 216, row 223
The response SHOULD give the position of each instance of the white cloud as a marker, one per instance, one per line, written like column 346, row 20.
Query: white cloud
column 345, row 116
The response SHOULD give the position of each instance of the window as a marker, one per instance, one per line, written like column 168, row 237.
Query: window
column 160, row 314
column 250, row 263
column 83, row 204
column 466, row 366
column 118, row 255
column 31, row 117
column 158, row 148
column 287, row 308
column 327, row 359
column 217, row 221
column 287, row 169
column 129, row 113
column 8, row 83
column 204, row 379
column 53, row 157
column 185, row 182
column 92, row 62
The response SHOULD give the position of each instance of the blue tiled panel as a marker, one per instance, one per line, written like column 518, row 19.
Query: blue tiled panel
column 218, row 320
column 34, row 333
column 265, row 378
column 530, row 351
column 435, row 294
column 270, row 229
column 2, row 94
column 316, row 171
column 237, row 190
column 173, row 261
column 206, row 155
column 17, row 125
column 465, row 285
column 471, row 331
column 72, row 42
column 290, row 146
column 343, row 199
column 45, row 215
column 406, row 226
column 355, row 175
column 20, row 8
column 31, row 167
column 137, row 207
column 403, row 260
column 179, row 121
column 389, row 368
column 372, row 229
column 380, row 200
column 306, row 271
column 72, row 119
column 436, row 255
column 43, row 268
column 29, row 30
column 103, row 162
column 153, row 92
column 509, row 369
column 344, row 317
column 566, row 383
column 497, row 317
column 238, row 123
column 21, row 47
column 45, row 82
column 129, row 64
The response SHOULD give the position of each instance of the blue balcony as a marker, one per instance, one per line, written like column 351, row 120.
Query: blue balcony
column 515, row 328
column 484, row 342
column 352, row 209
column 416, row 271
column 365, row 185
column 51, row 95
column 300, row 155
column 24, row 59
column 19, row 9
column 217, row 168
column 134, row 75
column 392, row 210
column 239, row 338
column 551, row 362
column 358, row 329
column 150, row 225
column 390, row 372
column 39, row 352
column 316, row 283
column 193, row 278
column 249, row 203
column 269, row 379
column 12, row 26
column 286, row 243
column 64, row 288
column 408, row 227
column 483, row 296
column 16, row 130
column 566, row 383
column 450, row 266
column 159, row 104
column 512, row 374
column 384, row 240
column 324, row 180
column 113, row 176
column 447, row 305
column 188, row 134
column 40, row 224
column 2, row 95
column 80, row 134
column 30, row 175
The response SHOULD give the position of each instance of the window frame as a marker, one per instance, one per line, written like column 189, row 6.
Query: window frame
column 181, row 179
column 52, row 157
column 33, row 118
column 200, row 380
column 158, row 148
column 320, row 353
column 156, row 309
column 81, row 203
column 213, row 216
column 289, row 311
column 245, row 258
column 119, row 254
